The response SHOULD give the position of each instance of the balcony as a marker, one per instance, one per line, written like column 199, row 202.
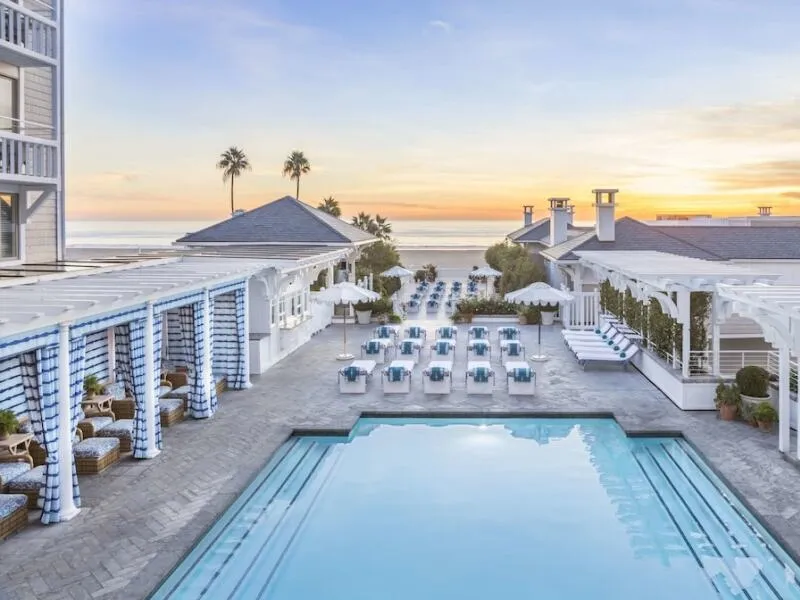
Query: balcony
column 27, row 38
column 28, row 160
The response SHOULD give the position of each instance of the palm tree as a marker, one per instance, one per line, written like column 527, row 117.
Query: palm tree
column 294, row 166
column 383, row 229
column 379, row 226
column 364, row 221
column 331, row 206
column 233, row 163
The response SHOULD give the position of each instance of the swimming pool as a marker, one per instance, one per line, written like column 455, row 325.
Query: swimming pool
column 475, row 509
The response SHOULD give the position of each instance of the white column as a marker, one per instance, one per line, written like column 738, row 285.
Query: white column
column 150, row 385
column 247, row 383
column 784, row 402
column 578, row 306
column 68, row 508
column 685, row 318
column 207, row 345
column 331, row 276
column 715, row 357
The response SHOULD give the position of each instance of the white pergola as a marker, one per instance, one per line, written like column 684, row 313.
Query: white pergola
column 776, row 308
column 657, row 275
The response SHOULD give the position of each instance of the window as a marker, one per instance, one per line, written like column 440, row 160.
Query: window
column 8, row 226
column 8, row 104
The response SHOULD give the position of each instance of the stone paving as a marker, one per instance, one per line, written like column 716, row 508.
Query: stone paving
column 140, row 517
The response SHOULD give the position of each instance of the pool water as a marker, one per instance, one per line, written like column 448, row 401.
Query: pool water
column 477, row 509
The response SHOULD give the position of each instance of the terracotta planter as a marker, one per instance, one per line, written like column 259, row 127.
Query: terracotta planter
column 727, row 412
column 765, row 427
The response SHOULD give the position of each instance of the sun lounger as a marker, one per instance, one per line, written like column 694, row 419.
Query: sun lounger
column 376, row 349
column 608, row 357
column 613, row 347
column 507, row 333
column 480, row 377
column 595, row 343
column 511, row 348
column 521, row 378
column 416, row 333
column 443, row 348
column 29, row 484
column 478, row 332
column 586, row 333
column 96, row 454
column 13, row 514
column 121, row 429
column 397, row 377
column 353, row 378
column 438, row 377
column 446, row 333
column 479, row 348
column 409, row 349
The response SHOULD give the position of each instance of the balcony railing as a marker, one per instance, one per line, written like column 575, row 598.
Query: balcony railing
column 33, row 34
column 24, row 158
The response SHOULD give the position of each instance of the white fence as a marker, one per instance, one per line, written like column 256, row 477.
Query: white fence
column 583, row 312
column 24, row 28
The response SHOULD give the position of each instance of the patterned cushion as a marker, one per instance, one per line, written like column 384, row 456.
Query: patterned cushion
column 96, row 447
column 10, row 503
column 122, row 427
column 32, row 480
column 164, row 389
column 167, row 405
column 12, row 470
column 99, row 422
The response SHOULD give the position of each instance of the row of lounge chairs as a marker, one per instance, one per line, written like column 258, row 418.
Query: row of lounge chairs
column 608, row 344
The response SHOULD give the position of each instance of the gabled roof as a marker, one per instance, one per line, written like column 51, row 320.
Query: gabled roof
column 283, row 221
column 630, row 235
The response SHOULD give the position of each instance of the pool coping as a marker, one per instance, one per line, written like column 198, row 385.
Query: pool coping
column 505, row 414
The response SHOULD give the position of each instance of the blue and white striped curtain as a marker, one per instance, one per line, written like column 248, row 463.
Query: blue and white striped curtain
column 122, row 350
column 229, row 338
column 186, row 317
column 77, row 362
column 212, row 399
column 42, row 395
column 240, row 379
column 199, row 405
column 158, row 331
column 138, row 385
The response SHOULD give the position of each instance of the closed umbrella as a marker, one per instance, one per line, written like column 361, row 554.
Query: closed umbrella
column 346, row 293
column 402, row 274
column 487, row 272
column 538, row 294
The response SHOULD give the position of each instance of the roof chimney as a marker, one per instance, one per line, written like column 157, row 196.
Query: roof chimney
column 527, row 214
column 571, row 214
column 559, row 218
column 604, row 207
column 764, row 211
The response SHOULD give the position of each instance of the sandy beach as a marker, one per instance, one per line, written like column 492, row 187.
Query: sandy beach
column 452, row 262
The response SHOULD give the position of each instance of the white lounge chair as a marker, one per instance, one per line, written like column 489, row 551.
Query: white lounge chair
column 438, row 377
column 521, row 378
column 619, row 358
column 376, row 349
column 416, row 332
column 615, row 347
column 584, row 333
column 511, row 348
column 479, row 349
column 397, row 377
column 480, row 377
column 353, row 378
column 409, row 349
column 443, row 349
column 596, row 343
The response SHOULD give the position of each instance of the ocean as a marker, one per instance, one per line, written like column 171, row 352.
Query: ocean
column 447, row 235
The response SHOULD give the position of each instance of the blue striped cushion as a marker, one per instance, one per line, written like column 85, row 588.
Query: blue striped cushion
column 373, row 348
column 442, row 348
column 480, row 374
column 395, row 373
column 522, row 375
column 513, row 349
column 436, row 373
column 10, row 503
column 351, row 373
column 407, row 348
column 96, row 447
column 12, row 470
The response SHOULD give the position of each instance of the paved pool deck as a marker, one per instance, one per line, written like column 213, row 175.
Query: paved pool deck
column 140, row 517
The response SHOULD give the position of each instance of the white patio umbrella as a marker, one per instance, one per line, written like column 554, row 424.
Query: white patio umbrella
column 346, row 293
column 538, row 294
column 487, row 272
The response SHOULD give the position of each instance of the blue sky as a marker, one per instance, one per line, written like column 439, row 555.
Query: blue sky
column 434, row 109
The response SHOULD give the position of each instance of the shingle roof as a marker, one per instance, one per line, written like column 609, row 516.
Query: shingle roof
column 538, row 231
column 283, row 221
column 630, row 235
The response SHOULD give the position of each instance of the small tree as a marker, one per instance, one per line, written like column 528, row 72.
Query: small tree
column 295, row 166
column 331, row 206
column 233, row 162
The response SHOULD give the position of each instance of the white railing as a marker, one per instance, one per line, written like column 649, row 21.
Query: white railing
column 26, row 29
column 583, row 312
column 773, row 364
column 701, row 363
column 24, row 157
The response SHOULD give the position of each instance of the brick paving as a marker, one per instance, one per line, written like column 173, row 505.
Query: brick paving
column 140, row 517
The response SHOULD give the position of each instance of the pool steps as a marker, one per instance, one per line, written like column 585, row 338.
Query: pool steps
column 716, row 535
column 263, row 525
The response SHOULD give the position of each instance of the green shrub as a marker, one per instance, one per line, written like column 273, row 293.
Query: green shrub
column 364, row 306
column 727, row 395
column 91, row 385
column 8, row 422
column 753, row 381
column 765, row 413
column 384, row 306
column 486, row 306
column 395, row 319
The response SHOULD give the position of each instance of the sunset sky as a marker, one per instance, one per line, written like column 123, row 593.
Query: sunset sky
column 433, row 109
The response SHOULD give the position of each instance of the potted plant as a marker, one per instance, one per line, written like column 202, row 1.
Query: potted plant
column 765, row 415
column 529, row 315
column 8, row 423
column 363, row 312
column 727, row 401
column 92, row 386
column 753, row 385
column 548, row 313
